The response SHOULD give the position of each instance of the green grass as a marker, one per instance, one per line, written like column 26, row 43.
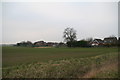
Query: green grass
column 22, row 62
column 89, row 67
column 22, row 55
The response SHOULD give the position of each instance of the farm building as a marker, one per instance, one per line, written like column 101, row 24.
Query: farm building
column 40, row 43
column 97, row 42
column 51, row 44
column 110, row 40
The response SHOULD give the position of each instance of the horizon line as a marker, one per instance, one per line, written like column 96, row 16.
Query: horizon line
column 56, row 41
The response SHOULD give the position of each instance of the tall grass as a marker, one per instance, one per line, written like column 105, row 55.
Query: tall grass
column 89, row 67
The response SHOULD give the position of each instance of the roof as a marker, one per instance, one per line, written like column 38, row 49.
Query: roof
column 109, row 38
column 97, row 40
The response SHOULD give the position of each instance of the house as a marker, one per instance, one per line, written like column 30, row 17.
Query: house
column 97, row 42
column 51, row 44
column 40, row 43
column 110, row 40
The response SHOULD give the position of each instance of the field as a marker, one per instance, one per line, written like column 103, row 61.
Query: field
column 22, row 62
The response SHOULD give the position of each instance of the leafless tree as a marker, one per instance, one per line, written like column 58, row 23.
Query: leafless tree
column 69, row 35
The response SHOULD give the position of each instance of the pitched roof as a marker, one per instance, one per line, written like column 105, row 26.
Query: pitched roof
column 98, row 40
column 110, row 38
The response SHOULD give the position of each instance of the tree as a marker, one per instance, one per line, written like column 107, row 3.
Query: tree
column 82, row 43
column 69, row 35
column 25, row 44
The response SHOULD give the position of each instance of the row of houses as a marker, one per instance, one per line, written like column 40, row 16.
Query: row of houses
column 42, row 43
column 106, row 41
column 109, row 41
column 39, row 44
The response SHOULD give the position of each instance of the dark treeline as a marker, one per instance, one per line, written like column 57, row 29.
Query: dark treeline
column 106, row 42
column 40, row 44
column 25, row 44
column 81, row 43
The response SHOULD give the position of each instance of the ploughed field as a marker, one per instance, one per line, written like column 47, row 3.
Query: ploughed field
column 23, row 62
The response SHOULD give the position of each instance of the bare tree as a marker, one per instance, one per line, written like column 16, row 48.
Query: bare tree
column 69, row 35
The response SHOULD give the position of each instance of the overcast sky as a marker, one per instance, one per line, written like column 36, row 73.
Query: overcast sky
column 46, row 21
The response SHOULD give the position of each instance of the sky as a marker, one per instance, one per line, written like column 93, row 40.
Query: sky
column 34, row 21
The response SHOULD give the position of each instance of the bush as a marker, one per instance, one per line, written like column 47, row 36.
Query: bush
column 81, row 43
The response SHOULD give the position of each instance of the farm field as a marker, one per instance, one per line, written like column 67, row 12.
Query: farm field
column 23, row 62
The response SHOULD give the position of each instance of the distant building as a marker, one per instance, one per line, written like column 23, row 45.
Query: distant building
column 110, row 40
column 97, row 42
column 40, row 43
column 51, row 44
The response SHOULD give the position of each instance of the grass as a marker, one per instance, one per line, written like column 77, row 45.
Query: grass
column 20, row 62
column 22, row 55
